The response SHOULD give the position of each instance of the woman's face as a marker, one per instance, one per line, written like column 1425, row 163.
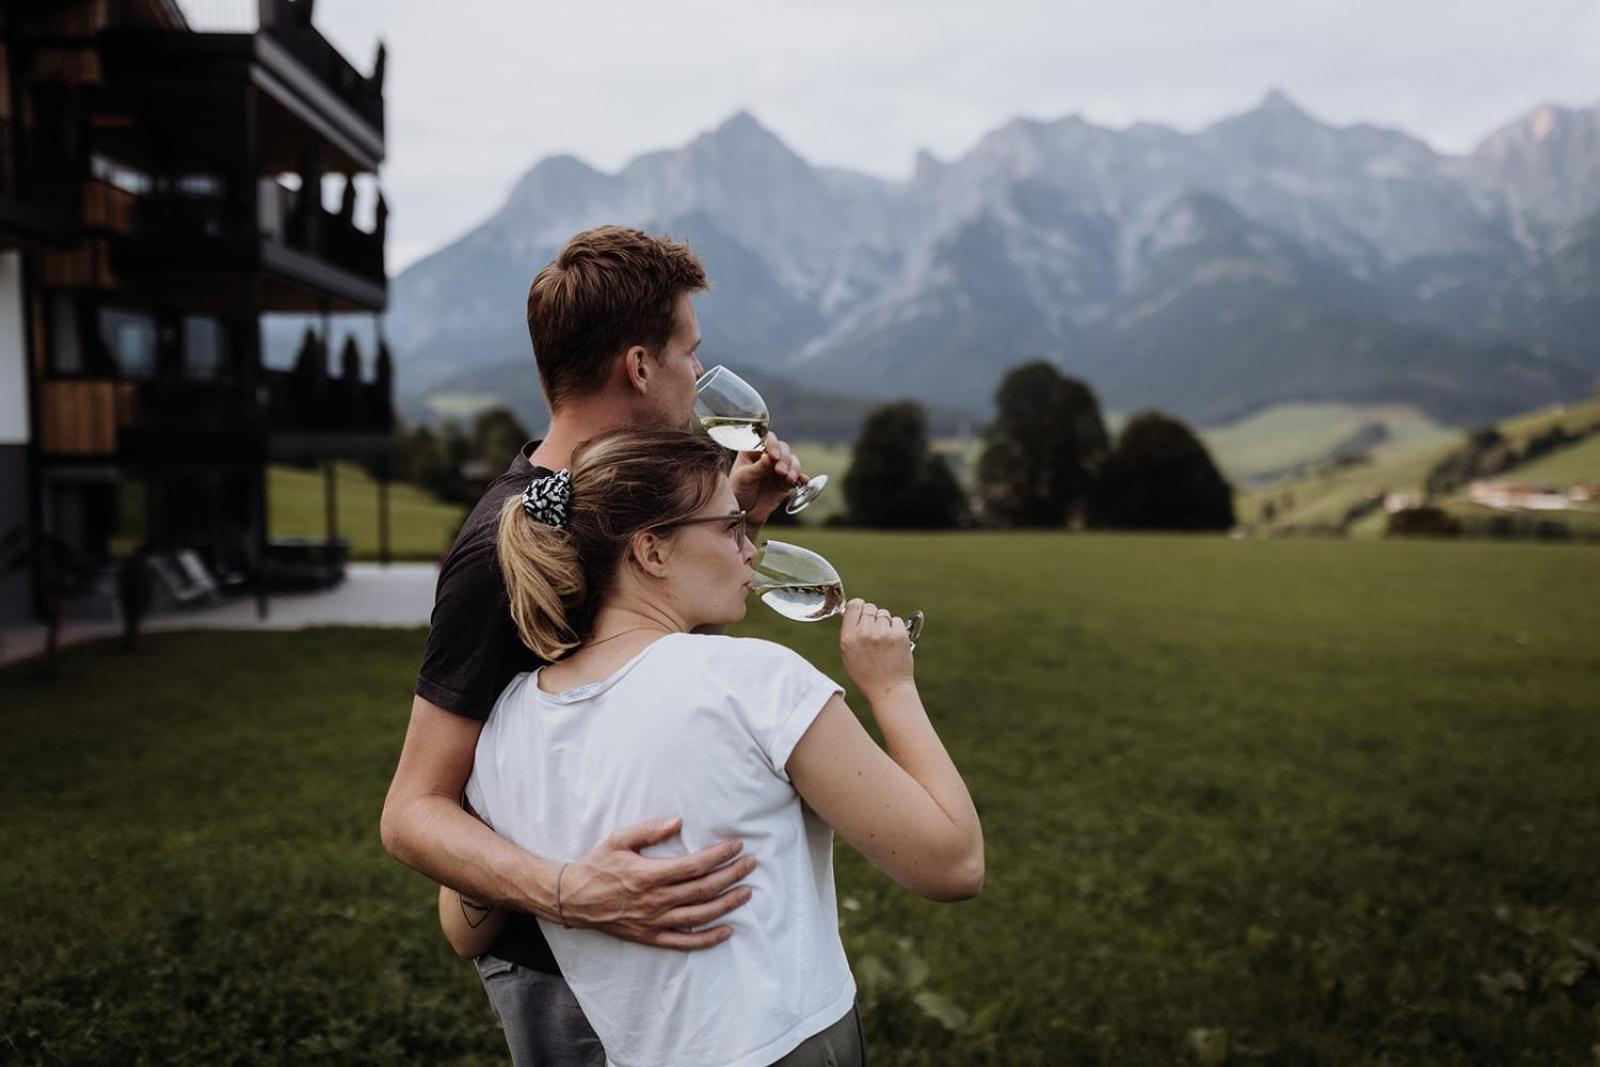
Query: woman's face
column 709, row 561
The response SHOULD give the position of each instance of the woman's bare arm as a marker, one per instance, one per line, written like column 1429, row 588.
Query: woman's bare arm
column 906, row 809
column 470, row 926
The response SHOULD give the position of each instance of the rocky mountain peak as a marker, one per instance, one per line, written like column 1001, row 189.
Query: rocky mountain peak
column 1547, row 162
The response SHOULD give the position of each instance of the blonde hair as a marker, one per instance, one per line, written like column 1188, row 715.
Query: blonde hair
column 623, row 483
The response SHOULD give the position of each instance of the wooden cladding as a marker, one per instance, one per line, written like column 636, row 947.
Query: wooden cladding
column 81, row 418
column 106, row 207
column 86, row 267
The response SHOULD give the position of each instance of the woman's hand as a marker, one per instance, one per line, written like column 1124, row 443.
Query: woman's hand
column 876, row 649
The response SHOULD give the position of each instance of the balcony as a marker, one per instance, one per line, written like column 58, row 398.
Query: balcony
column 289, row 24
column 195, row 78
column 212, row 423
column 185, row 231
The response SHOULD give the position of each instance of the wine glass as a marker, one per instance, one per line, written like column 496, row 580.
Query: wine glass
column 801, row 585
column 735, row 416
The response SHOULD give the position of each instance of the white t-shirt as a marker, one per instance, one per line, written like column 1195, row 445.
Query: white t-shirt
column 698, row 726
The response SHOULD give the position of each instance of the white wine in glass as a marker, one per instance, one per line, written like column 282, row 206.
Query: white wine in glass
column 736, row 435
column 735, row 417
column 801, row 585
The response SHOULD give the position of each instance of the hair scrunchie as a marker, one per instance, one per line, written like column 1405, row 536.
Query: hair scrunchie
column 545, row 500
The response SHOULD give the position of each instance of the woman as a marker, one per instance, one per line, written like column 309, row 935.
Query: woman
column 609, row 569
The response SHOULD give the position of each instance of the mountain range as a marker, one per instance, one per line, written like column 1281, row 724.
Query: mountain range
column 1269, row 257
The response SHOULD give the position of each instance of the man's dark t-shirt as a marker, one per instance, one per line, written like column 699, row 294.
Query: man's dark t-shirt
column 473, row 652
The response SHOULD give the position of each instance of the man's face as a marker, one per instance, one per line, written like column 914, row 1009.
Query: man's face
column 679, row 364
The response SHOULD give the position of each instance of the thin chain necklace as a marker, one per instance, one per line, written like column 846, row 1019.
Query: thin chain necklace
column 622, row 633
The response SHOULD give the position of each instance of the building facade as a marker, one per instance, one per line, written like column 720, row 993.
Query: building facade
column 163, row 186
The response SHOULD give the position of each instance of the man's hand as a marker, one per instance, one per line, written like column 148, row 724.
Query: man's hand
column 762, row 479
column 655, row 901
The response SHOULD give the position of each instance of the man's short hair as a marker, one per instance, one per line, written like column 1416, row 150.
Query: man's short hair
column 609, row 289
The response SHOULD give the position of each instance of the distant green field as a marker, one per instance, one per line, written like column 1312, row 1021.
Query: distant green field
column 420, row 527
column 1287, row 435
column 1330, row 802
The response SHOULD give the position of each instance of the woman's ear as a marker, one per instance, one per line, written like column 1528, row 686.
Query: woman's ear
column 651, row 553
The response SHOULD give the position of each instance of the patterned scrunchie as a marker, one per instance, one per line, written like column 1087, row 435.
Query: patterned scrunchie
column 545, row 499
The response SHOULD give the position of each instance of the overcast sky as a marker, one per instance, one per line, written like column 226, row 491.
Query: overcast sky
column 480, row 90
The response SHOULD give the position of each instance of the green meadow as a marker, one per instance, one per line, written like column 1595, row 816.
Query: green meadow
column 1245, row 802
column 421, row 527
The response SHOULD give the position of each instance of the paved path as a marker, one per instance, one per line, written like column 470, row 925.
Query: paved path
column 400, row 594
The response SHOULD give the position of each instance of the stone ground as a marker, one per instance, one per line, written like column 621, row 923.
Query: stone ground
column 400, row 594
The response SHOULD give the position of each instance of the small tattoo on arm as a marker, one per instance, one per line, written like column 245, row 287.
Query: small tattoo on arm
column 474, row 912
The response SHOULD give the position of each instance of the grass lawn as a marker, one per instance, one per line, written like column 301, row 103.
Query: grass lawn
column 1328, row 802
column 420, row 526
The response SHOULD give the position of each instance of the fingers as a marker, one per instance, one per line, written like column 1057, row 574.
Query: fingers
column 853, row 611
column 687, row 942
column 704, row 888
column 668, row 873
column 644, row 834
column 785, row 464
column 700, row 914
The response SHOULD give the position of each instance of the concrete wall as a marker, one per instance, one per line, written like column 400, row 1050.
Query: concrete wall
column 14, row 428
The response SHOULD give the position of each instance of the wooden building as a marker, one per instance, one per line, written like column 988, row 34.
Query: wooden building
column 162, row 187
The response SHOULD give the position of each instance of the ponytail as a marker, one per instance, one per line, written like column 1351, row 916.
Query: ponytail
column 543, row 579
column 621, row 483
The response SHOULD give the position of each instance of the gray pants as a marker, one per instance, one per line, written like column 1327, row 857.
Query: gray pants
column 544, row 1026
column 840, row 1045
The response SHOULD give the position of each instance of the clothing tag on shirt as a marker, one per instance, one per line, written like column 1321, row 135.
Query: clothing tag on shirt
column 580, row 692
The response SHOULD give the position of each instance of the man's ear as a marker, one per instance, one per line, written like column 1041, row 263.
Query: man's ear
column 637, row 368
column 651, row 552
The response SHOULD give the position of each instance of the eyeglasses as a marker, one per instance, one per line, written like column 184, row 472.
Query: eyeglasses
column 738, row 525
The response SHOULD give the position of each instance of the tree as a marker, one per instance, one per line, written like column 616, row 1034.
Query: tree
column 1041, row 451
column 895, row 480
column 1160, row 477
column 497, row 436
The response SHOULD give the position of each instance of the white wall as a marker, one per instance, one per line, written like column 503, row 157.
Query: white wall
column 13, row 354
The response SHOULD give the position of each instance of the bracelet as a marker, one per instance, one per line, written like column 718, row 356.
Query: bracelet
column 560, row 915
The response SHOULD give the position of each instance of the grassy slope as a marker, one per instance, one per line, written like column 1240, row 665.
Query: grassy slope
column 1290, row 434
column 1579, row 463
column 1277, row 787
column 1320, row 499
column 420, row 527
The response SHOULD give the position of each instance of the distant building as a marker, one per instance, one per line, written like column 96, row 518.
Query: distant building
column 161, row 189
column 1509, row 496
column 1396, row 502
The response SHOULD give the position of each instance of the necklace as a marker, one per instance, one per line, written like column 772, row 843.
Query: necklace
column 622, row 633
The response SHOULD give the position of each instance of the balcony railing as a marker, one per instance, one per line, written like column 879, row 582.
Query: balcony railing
column 288, row 22
column 203, row 422
column 293, row 219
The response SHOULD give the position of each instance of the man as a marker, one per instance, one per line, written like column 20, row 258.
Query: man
column 615, row 336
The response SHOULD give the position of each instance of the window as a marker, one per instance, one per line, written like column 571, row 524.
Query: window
column 205, row 348
column 130, row 340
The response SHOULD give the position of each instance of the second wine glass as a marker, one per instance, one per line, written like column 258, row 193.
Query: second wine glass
column 801, row 585
column 735, row 417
